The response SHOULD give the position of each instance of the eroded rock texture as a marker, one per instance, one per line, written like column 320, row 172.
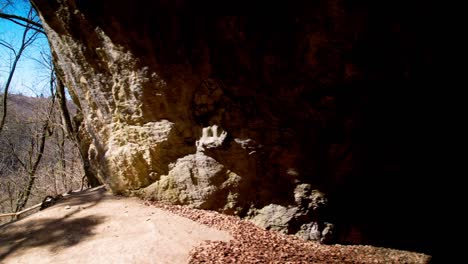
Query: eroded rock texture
column 238, row 113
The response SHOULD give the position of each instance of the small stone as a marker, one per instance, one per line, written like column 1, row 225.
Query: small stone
column 67, row 207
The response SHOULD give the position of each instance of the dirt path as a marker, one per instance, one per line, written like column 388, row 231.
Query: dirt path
column 96, row 227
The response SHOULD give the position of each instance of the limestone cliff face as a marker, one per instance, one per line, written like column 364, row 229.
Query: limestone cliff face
column 250, row 114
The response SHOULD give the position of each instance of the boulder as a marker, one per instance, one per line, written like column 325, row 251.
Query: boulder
column 306, row 219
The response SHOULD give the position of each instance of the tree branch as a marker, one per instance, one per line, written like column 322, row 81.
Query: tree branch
column 8, row 46
column 15, row 17
column 25, row 42
column 25, row 25
column 13, row 152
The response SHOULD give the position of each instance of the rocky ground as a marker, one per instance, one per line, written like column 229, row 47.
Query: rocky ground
column 252, row 244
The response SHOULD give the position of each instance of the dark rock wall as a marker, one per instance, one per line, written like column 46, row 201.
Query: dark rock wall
column 326, row 93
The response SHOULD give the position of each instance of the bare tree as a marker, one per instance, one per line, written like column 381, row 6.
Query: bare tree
column 22, row 21
column 59, row 168
column 22, row 177
column 36, row 152
column 31, row 23
column 28, row 37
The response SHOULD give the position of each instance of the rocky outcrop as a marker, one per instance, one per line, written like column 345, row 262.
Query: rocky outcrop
column 306, row 219
column 238, row 113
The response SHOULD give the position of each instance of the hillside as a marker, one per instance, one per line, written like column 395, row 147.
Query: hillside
column 60, row 167
column 24, row 106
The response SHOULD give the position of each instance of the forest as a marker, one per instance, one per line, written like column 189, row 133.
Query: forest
column 38, row 156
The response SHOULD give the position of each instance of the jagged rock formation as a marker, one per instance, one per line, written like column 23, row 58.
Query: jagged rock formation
column 305, row 218
column 235, row 113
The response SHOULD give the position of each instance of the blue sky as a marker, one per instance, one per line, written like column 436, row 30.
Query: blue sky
column 31, row 77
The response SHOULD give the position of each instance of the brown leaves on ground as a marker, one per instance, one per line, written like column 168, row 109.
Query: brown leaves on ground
column 252, row 244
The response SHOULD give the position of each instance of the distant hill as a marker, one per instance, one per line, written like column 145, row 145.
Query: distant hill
column 20, row 105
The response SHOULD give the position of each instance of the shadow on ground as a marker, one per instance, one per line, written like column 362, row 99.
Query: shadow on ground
column 54, row 233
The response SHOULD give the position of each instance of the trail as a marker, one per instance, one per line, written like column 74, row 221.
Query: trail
column 95, row 226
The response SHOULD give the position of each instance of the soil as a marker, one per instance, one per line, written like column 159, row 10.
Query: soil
column 94, row 226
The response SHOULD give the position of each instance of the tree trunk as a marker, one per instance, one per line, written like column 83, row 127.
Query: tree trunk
column 32, row 172
column 72, row 132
